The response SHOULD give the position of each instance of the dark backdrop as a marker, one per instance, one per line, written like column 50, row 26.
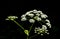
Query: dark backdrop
column 9, row 30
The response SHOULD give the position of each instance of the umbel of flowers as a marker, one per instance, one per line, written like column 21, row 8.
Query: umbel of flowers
column 33, row 16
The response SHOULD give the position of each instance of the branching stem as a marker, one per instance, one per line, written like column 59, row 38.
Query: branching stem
column 18, row 24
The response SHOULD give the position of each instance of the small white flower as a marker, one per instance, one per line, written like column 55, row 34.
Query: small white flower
column 48, row 33
column 38, row 30
column 23, row 16
column 47, row 20
column 41, row 34
column 31, row 15
column 6, row 19
column 34, row 10
column 31, row 20
column 44, row 27
column 27, row 13
column 37, row 18
column 48, row 24
column 11, row 17
column 30, row 11
column 40, row 12
column 44, row 16
column 37, row 14
column 35, row 31
column 23, row 19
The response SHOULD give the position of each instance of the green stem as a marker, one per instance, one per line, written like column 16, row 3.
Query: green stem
column 40, row 23
column 30, row 28
column 18, row 24
column 27, row 37
column 33, row 36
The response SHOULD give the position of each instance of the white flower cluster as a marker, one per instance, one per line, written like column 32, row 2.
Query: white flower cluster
column 42, row 30
column 11, row 17
column 48, row 23
column 35, row 15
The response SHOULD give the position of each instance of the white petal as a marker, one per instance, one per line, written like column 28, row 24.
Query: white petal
column 6, row 19
column 44, row 27
column 41, row 34
column 23, row 16
column 34, row 10
column 40, row 12
column 31, row 20
column 48, row 33
column 31, row 15
column 47, row 20
column 23, row 19
column 28, row 13
column 38, row 19
column 48, row 24
column 44, row 16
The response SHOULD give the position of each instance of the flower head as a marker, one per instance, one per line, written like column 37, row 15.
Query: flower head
column 31, row 20
column 11, row 18
column 39, row 30
column 49, row 25
column 44, row 16
column 24, row 19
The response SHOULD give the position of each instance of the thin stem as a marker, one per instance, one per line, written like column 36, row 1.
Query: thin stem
column 40, row 23
column 27, row 37
column 33, row 36
column 18, row 24
column 30, row 28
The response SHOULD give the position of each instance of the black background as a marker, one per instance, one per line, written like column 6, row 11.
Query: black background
column 9, row 30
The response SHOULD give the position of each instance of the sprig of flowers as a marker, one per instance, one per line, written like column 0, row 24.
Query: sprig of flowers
column 33, row 16
column 39, row 16
column 11, row 18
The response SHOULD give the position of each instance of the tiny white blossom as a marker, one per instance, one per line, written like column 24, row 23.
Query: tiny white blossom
column 44, row 16
column 41, row 34
column 30, row 11
column 23, row 19
column 38, row 14
column 44, row 27
column 48, row 33
column 31, row 20
column 6, row 19
column 41, row 31
column 35, row 31
column 11, row 17
column 47, row 20
column 31, row 15
column 37, row 18
column 23, row 16
column 34, row 10
column 48, row 24
column 27, row 13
